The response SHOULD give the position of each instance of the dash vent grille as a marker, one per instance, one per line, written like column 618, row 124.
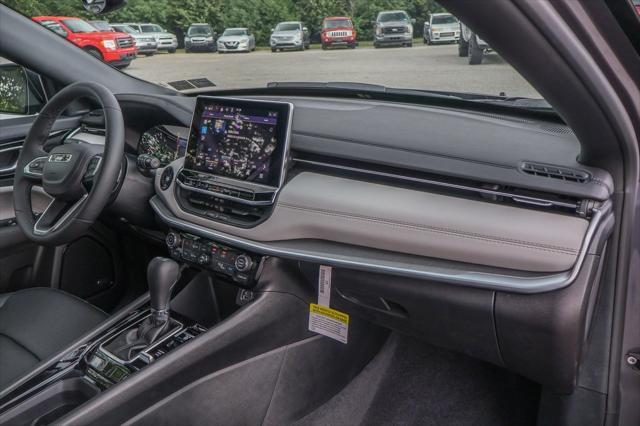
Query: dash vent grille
column 554, row 172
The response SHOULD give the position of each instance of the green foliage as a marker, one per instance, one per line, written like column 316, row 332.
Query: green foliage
column 258, row 15
column 13, row 92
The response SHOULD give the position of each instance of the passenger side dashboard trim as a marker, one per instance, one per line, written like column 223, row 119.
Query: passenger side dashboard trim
column 509, row 281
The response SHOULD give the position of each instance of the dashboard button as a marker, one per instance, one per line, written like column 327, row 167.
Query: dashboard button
column 203, row 259
column 166, row 179
column 243, row 263
column 172, row 240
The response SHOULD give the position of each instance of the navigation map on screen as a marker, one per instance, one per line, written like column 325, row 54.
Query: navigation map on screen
column 236, row 142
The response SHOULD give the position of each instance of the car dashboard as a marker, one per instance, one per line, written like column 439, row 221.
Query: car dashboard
column 465, row 228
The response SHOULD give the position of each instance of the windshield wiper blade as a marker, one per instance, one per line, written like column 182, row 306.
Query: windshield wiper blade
column 373, row 90
column 360, row 87
column 519, row 102
column 365, row 87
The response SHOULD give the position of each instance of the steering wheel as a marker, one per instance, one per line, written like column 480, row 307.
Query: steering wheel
column 80, row 177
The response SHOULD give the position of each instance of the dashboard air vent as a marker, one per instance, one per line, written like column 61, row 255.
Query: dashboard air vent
column 554, row 172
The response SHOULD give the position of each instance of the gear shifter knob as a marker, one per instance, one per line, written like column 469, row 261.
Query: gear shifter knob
column 162, row 274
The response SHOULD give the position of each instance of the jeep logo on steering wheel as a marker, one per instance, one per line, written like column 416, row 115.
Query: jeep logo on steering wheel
column 60, row 158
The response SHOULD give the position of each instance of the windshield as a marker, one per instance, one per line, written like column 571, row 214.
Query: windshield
column 393, row 16
column 446, row 19
column 150, row 29
column 124, row 29
column 55, row 27
column 234, row 32
column 337, row 23
column 79, row 26
column 396, row 53
column 101, row 25
column 288, row 26
column 199, row 31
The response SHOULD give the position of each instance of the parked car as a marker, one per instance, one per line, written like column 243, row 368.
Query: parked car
column 101, row 25
column 290, row 35
column 166, row 40
column 114, row 48
column 236, row 40
column 393, row 27
column 441, row 28
column 472, row 46
column 200, row 37
column 338, row 31
column 146, row 44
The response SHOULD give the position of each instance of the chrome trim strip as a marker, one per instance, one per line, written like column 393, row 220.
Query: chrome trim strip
column 510, row 283
column 515, row 197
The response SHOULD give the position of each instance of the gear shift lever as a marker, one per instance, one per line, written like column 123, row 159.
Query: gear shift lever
column 162, row 275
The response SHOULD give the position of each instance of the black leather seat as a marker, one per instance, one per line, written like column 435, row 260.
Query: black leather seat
column 38, row 323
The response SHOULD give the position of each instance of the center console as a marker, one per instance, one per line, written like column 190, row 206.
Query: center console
column 127, row 346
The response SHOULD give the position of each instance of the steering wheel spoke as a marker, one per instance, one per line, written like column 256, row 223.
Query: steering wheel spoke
column 57, row 213
column 92, row 170
column 34, row 169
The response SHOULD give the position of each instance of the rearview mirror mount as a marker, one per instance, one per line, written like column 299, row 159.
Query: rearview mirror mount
column 99, row 7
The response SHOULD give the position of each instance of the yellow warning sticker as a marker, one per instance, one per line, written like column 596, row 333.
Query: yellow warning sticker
column 329, row 322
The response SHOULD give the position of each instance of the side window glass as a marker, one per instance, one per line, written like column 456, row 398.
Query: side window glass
column 21, row 91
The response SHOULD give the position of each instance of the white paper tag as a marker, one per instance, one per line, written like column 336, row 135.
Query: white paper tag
column 329, row 322
column 324, row 286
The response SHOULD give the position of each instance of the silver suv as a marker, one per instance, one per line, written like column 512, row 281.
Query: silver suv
column 166, row 40
column 441, row 28
column 393, row 27
column 146, row 44
column 289, row 35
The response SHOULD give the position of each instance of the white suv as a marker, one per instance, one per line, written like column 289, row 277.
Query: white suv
column 441, row 28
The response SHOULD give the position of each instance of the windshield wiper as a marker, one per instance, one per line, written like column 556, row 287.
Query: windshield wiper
column 519, row 102
column 363, row 88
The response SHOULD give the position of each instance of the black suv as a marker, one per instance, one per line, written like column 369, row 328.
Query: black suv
column 200, row 37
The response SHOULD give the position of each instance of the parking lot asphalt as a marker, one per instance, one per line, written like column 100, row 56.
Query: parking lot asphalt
column 419, row 67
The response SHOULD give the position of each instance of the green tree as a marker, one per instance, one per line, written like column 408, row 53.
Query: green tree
column 258, row 15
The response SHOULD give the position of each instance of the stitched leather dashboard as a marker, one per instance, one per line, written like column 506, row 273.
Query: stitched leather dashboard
column 322, row 207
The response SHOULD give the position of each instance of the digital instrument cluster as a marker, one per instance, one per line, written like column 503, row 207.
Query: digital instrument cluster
column 165, row 143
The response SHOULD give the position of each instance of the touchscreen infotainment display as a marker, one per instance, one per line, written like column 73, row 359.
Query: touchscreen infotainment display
column 238, row 139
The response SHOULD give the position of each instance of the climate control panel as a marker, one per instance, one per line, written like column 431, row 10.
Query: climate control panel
column 240, row 266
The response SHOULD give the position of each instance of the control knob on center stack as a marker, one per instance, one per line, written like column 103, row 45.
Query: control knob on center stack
column 172, row 240
column 243, row 263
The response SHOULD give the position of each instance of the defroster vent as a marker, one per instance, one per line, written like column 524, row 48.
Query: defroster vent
column 554, row 172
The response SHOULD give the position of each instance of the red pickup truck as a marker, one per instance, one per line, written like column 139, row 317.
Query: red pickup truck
column 117, row 49
column 338, row 31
